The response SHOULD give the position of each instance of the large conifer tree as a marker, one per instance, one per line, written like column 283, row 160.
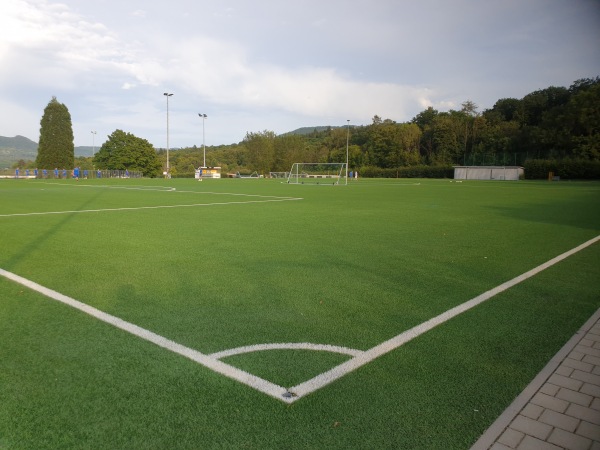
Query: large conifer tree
column 56, row 149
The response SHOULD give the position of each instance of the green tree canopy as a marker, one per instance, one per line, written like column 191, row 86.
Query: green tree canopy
column 56, row 148
column 125, row 151
column 551, row 123
column 261, row 150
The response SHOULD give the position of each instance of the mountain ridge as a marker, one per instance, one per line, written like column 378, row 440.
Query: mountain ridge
column 13, row 149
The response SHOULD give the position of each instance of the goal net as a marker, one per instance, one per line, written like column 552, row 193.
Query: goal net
column 279, row 175
column 318, row 173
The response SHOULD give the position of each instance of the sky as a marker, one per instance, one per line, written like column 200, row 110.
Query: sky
column 255, row 65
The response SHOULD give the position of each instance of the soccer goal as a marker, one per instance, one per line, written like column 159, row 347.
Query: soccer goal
column 279, row 175
column 318, row 173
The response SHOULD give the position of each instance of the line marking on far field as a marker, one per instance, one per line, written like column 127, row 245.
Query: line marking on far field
column 136, row 208
column 292, row 394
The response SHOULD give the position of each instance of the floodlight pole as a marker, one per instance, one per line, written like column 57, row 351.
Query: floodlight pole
column 166, row 94
column 204, row 116
column 93, row 143
column 347, row 142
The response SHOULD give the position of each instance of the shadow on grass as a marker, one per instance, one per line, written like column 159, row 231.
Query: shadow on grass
column 575, row 213
column 47, row 235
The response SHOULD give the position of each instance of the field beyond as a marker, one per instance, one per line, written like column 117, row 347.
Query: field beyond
column 225, row 264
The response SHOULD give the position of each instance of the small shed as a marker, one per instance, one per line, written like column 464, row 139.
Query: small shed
column 488, row 172
column 208, row 172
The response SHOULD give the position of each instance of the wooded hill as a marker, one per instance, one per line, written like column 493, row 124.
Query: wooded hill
column 552, row 124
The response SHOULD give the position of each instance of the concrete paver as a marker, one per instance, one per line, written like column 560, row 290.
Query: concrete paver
column 560, row 409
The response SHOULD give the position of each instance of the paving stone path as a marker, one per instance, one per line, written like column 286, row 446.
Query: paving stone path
column 560, row 409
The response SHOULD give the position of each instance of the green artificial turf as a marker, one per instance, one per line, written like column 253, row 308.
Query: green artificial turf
column 342, row 265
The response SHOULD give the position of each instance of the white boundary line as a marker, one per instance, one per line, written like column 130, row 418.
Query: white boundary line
column 165, row 189
column 148, row 207
column 294, row 393
column 339, row 371
column 265, row 199
column 257, row 383
column 100, row 186
column 288, row 346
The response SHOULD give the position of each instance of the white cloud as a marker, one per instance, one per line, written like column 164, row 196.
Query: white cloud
column 48, row 45
column 273, row 65
column 21, row 120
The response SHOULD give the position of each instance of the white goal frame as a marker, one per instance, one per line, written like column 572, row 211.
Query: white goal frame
column 318, row 173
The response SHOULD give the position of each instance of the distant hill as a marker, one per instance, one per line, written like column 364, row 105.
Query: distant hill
column 86, row 150
column 18, row 143
column 307, row 130
column 13, row 149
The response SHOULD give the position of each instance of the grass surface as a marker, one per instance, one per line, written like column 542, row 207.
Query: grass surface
column 347, row 265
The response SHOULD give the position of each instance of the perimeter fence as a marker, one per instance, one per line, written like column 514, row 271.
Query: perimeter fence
column 64, row 174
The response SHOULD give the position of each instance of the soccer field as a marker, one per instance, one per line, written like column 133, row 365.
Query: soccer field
column 249, row 313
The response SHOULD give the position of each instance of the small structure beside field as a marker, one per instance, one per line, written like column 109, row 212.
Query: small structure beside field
column 488, row 173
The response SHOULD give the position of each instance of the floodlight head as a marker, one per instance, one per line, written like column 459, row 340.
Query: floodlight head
column 202, row 115
column 167, row 94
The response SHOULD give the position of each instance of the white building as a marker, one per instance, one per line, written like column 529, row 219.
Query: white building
column 488, row 173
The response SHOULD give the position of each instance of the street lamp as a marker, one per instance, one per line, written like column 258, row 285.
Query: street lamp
column 166, row 94
column 93, row 143
column 204, row 116
column 347, row 141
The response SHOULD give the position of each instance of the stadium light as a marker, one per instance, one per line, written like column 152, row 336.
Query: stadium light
column 166, row 94
column 93, row 143
column 204, row 116
column 347, row 142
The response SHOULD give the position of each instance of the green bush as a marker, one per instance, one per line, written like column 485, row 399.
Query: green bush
column 408, row 172
column 569, row 169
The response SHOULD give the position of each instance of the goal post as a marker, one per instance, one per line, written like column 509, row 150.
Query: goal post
column 318, row 173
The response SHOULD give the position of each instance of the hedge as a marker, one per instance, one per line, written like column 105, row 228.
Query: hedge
column 569, row 169
column 407, row 172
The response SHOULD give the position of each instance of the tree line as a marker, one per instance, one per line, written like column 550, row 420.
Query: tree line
column 555, row 123
column 122, row 151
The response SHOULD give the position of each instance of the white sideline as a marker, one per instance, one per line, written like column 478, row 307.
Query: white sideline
column 257, row 383
column 130, row 188
column 360, row 358
column 163, row 189
column 265, row 199
column 339, row 371
column 135, row 208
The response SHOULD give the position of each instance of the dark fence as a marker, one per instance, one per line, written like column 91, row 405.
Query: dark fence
column 64, row 174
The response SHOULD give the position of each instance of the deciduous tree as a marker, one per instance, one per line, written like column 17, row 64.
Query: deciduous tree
column 124, row 151
column 261, row 150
